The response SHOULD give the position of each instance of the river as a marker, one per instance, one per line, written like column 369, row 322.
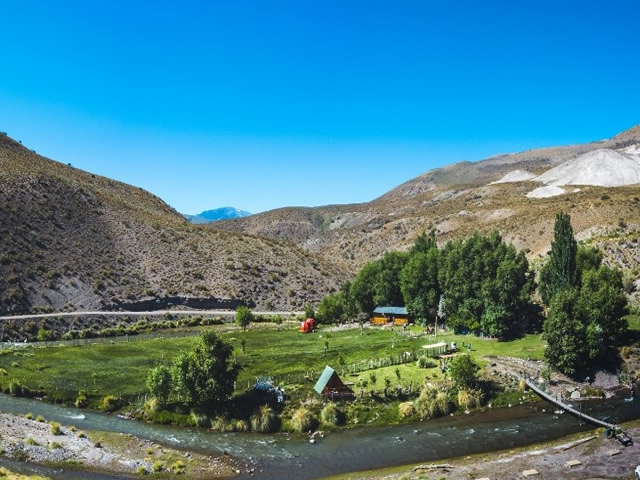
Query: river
column 292, row 456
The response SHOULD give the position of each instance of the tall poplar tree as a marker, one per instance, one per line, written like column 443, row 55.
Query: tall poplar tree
column 560, row 271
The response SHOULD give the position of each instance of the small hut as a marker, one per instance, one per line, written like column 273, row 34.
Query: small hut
column 396, row 315
column 330, row 385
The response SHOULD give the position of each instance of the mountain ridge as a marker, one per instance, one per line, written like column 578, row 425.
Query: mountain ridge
column 456, row 200
column 213, row 215
column 71, row 239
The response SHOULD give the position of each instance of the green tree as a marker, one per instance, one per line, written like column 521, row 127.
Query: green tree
column 244, row 317
column 419, row 285
column 159, row 383
column 485, row 284
column 560, row 271
column 205, row 375
column 462, row 370
column 331, row 308
column 362, row 288
column 423, row 243
column 378, row 282
column 565, row 333
column 309, row 312
column 585, row 325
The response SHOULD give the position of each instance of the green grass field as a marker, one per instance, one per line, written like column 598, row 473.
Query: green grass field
column 121, row 368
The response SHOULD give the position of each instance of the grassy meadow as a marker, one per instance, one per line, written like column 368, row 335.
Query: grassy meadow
column 121, row 368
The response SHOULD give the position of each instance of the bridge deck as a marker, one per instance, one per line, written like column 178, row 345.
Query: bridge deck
column 568, row 408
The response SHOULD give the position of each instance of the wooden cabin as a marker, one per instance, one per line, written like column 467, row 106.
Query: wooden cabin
column 395, row 315
column 330, row 386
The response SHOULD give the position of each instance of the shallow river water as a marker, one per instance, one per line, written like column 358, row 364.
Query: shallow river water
column 282, row 456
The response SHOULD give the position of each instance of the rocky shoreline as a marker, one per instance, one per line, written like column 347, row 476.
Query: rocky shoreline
column 36, row 441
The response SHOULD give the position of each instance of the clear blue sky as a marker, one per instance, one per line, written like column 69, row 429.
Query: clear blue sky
column 266, row 104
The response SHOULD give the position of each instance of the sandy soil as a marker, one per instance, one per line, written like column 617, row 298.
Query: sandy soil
column 32, row 441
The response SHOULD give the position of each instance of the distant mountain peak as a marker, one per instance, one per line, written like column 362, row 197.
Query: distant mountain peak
column 216, row 214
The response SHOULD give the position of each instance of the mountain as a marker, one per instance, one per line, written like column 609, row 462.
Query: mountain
column 216, row 214
column 70, row 239
column 496, row 193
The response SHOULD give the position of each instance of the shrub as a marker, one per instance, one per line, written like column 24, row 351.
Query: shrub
column 626, row 352
column 142, row 470
column 40, row 418
column 158, row 466
column 150, row 407
column 470, row 398
column 29, row 416
column 303, row 420
column 406, row 409
column 81, row 400
column 110, row 403
column 3, row 372
column 241, row 426
column 425, row 362
column 200, row 420
column 264, row 420
column 432, row 403
column 72, row 428
column 443, row 403
column 332, row 415
column 31, row 441
column 82, row 435
column 55, row 428
column 178, row 467
column 55, row 446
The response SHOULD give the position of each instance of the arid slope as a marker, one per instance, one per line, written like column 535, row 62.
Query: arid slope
column 459, row 199
column 71, row 239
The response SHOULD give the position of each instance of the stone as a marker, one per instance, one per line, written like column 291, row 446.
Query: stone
column 530, row 473
column 573, row 463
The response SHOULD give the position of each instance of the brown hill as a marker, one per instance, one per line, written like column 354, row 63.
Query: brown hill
column 456, row 200
column 71, row 239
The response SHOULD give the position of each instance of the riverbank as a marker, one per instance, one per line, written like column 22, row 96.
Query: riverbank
column 36, row 441
column 584, row 455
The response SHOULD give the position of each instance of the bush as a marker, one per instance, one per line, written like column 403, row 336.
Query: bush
column 200, row 420
column 158, row 466
column 406, row 409
column 470, row 398
column 332, row 415
column 40, row 419
column 55, row 446
column 31, row 441
column 425, row 362
column 432, row 403
column 82, row 435
column 265, row 420
column 178, row 467
column 81, row 400
column 110, row 403
column 29, row 416
column 303, row 420
column 241, row 426
column 142, row 470
column 55, row 428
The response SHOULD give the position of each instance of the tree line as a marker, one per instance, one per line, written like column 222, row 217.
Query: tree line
column 479, row 284
column 483, row 285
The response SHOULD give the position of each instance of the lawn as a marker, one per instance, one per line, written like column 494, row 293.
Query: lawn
column 121, row 368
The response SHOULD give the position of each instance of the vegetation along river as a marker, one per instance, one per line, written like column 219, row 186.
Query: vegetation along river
column 292, row 456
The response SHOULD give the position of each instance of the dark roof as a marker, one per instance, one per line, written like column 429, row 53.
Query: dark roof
column 324, row 379
column 391, row 310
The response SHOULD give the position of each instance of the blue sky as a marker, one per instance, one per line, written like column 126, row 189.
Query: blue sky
column 260, row 105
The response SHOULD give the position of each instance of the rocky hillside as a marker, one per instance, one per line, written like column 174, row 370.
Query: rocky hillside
column 486, row 195
column 71, row 239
